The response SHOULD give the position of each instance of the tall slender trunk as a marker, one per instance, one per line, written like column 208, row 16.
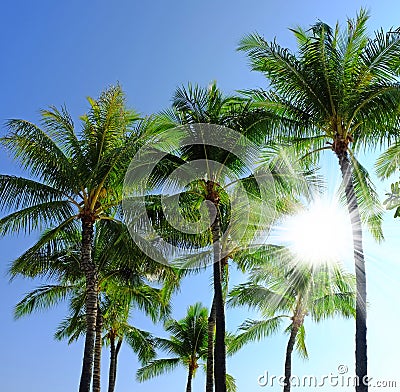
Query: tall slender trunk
column 189, row 379
column 288, row 359
column 97, row 352
column 219, row 348
column 210, row 349
column 119, row 344
column 114, row 351
column 361, row 299
column 90, row 272
column 111, row 373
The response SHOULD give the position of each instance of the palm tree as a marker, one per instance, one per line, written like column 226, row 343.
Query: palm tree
column 187, row 343
column 243, row 205
column 115, row 307
column 140, row 341
column 290, row 290
column 197, row 107
column 77, row 177
column 339, row 91
column 123, row 273
column 208, row 116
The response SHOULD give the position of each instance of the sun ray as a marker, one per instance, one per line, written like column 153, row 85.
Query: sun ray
column 320, row 233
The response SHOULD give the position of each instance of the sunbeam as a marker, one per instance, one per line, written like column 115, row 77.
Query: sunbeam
column 320, row 233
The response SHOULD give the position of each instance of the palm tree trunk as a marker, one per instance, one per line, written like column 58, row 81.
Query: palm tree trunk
column 97, row 352
column 361, row 300
column 111, row 379
column 289, row 351
column 189, row 379
column 119, row 344
column 210, row 349
column 114, row 351
column 111, row 373
column 219, row 349
column 90, row 272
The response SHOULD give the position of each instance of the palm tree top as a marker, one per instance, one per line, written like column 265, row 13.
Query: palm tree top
column 292, row 291
column 340, row 84
column 73, row 174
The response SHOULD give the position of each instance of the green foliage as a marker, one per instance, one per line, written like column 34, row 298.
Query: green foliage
column 371, row 211
column 393, row 200
column 70, row 170
column 340, row 85
column 289, row 289
column 187, row 344
column 124, row 273
column 386, row 165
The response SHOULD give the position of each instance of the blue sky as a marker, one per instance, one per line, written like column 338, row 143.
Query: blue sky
column 56, row 53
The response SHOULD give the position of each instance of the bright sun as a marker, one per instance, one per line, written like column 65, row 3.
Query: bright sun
column 319, row 234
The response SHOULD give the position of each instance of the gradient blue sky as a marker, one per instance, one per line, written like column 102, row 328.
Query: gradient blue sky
column 61, row 52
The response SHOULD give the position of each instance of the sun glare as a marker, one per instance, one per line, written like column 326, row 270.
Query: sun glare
column 319, row 234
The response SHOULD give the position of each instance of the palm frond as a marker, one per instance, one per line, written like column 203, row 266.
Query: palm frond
column 255, row 330
column 370, row 207
column 39, row 154
column 301, row 343
column 36, row 217
column 42, row 298
column 388, row 162
column 18, row 192
column 71, row 328
column 258, row 297
column 142, row 343
column 53, row 255
column 230, row 383
column 60, row 127
column 156, row 368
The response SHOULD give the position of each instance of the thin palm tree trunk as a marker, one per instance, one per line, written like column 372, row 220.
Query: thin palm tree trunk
column 361, row 300
column 210, row 349
column 89, row 270
column 189, row 379
column 219, row 348
column 288, row 359
column 97, row 352
column 114, row 351
column 111, row 373
column 119, row 344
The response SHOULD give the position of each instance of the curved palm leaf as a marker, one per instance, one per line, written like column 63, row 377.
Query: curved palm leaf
column 156, row 368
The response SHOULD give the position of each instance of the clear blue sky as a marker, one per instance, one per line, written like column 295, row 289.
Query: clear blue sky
column 61, row 52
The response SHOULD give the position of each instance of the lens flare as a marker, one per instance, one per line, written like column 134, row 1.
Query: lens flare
column 321, row 233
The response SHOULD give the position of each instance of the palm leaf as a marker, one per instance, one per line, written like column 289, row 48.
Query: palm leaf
column 300, row 342
column 42, row 298
column 39, row 154
column 255, row 330
column 259, row 297
column 72, row 327
column 36, row 217
column 18, row 192
column 60, row 126
column 370, row 207
column 388, row 162
column 48, row 255
column 156, row 368
column 142, row 343
column 230, row 383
